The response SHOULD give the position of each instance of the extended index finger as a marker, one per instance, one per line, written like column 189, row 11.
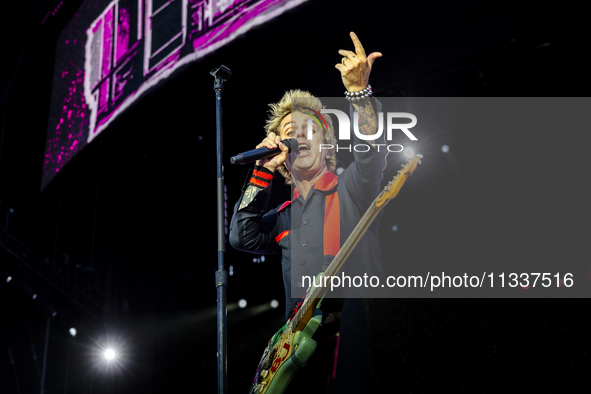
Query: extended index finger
column 358, row 47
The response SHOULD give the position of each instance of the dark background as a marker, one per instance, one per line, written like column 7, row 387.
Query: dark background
column 134, row 210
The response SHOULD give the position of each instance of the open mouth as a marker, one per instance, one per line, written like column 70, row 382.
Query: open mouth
column 303, row 150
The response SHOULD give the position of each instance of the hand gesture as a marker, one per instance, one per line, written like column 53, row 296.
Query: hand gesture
column 355, row 67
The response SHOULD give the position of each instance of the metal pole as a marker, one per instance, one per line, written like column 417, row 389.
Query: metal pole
column 221, row 74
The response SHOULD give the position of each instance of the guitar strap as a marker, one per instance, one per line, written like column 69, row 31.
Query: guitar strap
column 332, row 228
column 332, row 237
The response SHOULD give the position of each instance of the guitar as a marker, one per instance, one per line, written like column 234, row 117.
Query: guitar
column 292, row 346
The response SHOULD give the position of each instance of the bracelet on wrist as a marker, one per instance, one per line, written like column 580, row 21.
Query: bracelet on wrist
column 360, row 95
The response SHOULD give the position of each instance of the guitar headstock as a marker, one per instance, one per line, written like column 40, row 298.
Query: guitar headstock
column 393, row 187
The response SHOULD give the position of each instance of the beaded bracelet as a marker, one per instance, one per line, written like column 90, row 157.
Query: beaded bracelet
column 360, row 95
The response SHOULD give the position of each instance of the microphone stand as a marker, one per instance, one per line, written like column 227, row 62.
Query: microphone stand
column 221, row 74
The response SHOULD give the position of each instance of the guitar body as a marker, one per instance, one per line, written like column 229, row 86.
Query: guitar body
column 293, row 350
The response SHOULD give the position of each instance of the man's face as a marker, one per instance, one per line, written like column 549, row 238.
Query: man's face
column 310, row 161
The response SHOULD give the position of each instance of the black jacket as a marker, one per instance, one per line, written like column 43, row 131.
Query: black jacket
column 295, row 229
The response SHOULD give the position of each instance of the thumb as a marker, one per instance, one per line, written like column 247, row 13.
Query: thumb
column 373, row 56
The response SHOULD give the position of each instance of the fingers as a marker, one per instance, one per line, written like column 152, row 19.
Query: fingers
column 348, row 54
column 358, row 47
column 270, row 142
column 281, row 145
column 273, row 141
column 359, row 51
column 341, row 67
column 284, row 152
column 372, row 57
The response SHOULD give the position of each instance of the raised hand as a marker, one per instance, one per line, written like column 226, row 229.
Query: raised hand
column 355, row 67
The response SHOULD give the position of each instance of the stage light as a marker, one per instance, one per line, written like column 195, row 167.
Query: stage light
column 260, row 259
column 8, row 279
column 445, row 148
column 274, row 304
column 109, row 354
column 73, row 331
column 394, row 228
column 242, row 303
column 409, row 152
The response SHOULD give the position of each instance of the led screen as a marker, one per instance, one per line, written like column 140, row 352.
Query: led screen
column 112, row 52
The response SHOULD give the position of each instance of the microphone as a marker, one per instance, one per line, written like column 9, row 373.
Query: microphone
column 261, row 153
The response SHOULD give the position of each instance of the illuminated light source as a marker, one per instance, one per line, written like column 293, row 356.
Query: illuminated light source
column 445, row 148
column 114, row 39
column 260, row 259
column 409, row 152
column 394, row 228
column 8, row 279
column 274, row 304
column 109, row 354
column 73, row 331
column 242, row 303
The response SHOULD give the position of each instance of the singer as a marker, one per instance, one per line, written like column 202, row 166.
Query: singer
column 309, row 230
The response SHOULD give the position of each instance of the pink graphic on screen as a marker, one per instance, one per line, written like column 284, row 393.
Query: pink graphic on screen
column 112, row 52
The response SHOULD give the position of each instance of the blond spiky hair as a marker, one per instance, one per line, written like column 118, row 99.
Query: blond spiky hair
column 284, row 107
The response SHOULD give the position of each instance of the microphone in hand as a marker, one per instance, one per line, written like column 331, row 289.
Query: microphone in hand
column 261, row 153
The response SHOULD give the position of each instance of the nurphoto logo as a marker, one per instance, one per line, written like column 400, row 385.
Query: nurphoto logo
column 345, row 129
